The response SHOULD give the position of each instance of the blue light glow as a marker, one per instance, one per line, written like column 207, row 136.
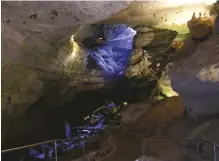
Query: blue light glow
column 67, row 130
column 113, row 56
column 48, row 151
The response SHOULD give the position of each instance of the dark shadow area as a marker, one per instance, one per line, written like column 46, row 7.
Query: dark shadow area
column 206, row 91
column 159, row 49
column 124, row 90
column 46, row 116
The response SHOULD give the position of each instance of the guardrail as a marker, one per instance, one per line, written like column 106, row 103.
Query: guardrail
column 215, row 147
column 46, row 142
column 82, row 140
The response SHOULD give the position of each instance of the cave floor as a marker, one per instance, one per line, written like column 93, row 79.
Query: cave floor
column 127, row 147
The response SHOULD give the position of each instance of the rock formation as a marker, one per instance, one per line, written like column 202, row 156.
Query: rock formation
column 43, row 72
column 196, row 78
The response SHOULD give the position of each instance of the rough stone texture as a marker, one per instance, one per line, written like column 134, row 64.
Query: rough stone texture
column 136, row 56
column 49, row 25
column 37, row 63
column 140, row 69
column 160, row 13
column 37, row 60
column 155, row 55
column 165, row 112
column 182, row 128
column 165, row 83
column 196, row 78
column 134, row 112
column 200, row 28
column 143, row 39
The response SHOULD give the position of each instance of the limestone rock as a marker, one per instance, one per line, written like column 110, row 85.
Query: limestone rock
column 140, row 69
column 144, row 29
column 200, row 28
column 165, row 83
column 20, row 88
column 196, row 78
column 38, row 63
column 159, row 41
column 136, row 56
column 97, row 73
column 163, row 113
column 134, row 112
column 214, row 9
column 207, row 131
column 155, row 54
column 143, row 39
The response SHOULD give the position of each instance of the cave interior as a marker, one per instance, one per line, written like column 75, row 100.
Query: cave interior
column 72, row 69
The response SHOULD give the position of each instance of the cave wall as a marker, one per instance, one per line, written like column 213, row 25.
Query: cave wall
column 35, row 47
column 196, row 78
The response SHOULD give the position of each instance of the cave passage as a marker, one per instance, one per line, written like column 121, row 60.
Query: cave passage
column 113, row 48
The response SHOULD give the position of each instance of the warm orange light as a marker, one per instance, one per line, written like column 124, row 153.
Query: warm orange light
column 188, row 8
column 100, row 40
column 189, row 2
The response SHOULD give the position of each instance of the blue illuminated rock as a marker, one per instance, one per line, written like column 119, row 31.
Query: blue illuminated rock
column 114, row 55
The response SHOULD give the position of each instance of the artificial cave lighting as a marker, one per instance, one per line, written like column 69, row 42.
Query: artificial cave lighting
column 113, row 56
column 180, row 12
column 189, row 2
column 75, row 48
column 74, row 53
column 186, row 14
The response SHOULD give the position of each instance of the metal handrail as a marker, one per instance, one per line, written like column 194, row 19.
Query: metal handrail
column 36, row 144
column 215, row 146
column 50, row 141
column 185, row 139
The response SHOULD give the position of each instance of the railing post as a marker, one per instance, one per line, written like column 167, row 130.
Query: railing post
column 143, row 147
column 215, row 155
column 83, row 146
column 56, row 155
column 197, row 149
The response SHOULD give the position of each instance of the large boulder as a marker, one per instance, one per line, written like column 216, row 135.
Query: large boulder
column 200, row 28
column 196, row 78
